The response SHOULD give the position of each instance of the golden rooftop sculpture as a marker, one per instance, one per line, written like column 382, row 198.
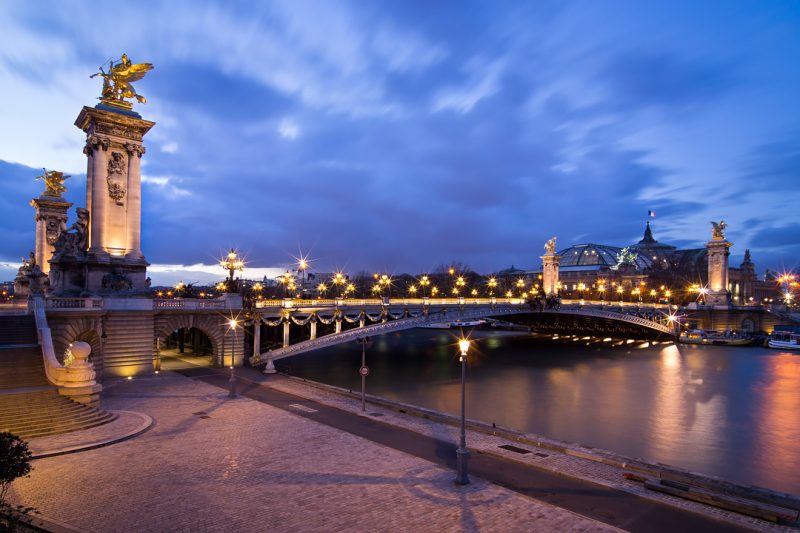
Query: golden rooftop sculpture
column 117, row 82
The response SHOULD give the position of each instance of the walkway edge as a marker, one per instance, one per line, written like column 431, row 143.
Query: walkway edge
column 146, row 424
column 660, row 471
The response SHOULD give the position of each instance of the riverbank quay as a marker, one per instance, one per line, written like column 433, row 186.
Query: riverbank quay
column 288, row 455
column 592, row 464
column 210, row 463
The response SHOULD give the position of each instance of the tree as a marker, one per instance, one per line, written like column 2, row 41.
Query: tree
column 15, row 462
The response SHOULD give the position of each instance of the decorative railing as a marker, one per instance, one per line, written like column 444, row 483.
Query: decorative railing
column 189, row 304
column 74, row 303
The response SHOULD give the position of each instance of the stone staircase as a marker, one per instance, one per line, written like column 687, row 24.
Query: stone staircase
column 29, row 406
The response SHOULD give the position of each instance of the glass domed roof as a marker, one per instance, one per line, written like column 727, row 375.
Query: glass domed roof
column 596, row 255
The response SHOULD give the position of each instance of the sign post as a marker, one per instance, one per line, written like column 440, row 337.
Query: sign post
column 364, row 372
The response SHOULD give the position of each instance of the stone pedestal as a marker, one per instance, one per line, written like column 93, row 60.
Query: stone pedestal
column 51, row 220
column 718, row 252
column 550, row 273
column 79, row 383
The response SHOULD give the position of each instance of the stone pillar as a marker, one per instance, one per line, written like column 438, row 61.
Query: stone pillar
column 51, row 220
column 115, row 263
column 718, row 252
column 96, row 198
column 286, row 330
column 338, row 322
column 362, row 322
column 134, row 225
column 313, row 329
column 550, row 272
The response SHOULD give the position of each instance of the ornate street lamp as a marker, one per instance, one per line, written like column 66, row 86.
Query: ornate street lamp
column 232, row 263
column 462, row 454
column 302, row 266
column 424, row 282
column 492, row 283
column 339, row 280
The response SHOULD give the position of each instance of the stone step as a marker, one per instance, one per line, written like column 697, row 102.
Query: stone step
column 69, row 419
column 40, row 409
column 45, row 412
column 18, row 329
column 22, row 367
column 63, row 428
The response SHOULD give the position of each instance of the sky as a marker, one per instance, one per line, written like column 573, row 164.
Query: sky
column 401, row 136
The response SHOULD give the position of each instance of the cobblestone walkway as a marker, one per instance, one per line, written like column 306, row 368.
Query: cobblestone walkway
column 213, row 464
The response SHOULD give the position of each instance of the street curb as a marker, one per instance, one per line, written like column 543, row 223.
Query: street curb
column 146, row 424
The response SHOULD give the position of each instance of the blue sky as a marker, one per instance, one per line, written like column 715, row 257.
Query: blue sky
column 400, row 136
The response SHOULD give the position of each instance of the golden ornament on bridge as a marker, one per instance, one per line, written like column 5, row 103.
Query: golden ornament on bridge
column 54, row 181
column 117, row 82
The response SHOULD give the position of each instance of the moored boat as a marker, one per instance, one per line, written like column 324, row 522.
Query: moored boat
column 713, row 338
column 784, row 339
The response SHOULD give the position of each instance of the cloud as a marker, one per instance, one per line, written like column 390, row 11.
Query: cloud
column 203, row 274
column 170, row 147
column 166, row 184
column 288, row 129
column 418, row 135
column 483, row 82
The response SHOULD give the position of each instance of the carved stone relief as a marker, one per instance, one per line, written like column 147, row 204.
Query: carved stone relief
column 117, row 171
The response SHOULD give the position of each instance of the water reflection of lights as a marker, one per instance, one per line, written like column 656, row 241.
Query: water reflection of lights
column 780, row 402
column 671, row 357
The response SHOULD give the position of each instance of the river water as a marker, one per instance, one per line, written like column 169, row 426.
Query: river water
column 725, row 411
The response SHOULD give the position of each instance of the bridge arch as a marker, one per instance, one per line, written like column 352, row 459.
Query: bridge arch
column 212, row 326
column 445, row 315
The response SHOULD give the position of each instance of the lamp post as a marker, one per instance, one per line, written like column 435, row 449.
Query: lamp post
column 302, row 266
column 462, row 454
column 492, row 283
column 232, row 323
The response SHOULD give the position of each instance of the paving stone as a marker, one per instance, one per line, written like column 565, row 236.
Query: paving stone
column 254, row 467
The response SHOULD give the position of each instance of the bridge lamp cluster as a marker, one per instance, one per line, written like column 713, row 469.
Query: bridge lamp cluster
column 338, row 280
column 232, row 262
column 492, row 284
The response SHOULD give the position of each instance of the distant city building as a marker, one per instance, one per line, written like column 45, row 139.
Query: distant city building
column 659, row 272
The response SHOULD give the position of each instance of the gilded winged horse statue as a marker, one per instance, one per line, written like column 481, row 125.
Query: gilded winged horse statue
column 54, row 182
column 117, row 82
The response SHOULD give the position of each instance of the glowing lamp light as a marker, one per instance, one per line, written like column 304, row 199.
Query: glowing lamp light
column 463, row 346
column 233, row 323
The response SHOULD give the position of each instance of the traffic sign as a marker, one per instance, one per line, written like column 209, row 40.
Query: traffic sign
column 364, row 371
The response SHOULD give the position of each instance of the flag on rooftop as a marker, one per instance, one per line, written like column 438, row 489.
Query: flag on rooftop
column 651, row 214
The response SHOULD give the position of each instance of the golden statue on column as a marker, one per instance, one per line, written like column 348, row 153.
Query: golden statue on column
column 54, row 182
column 117, row 82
